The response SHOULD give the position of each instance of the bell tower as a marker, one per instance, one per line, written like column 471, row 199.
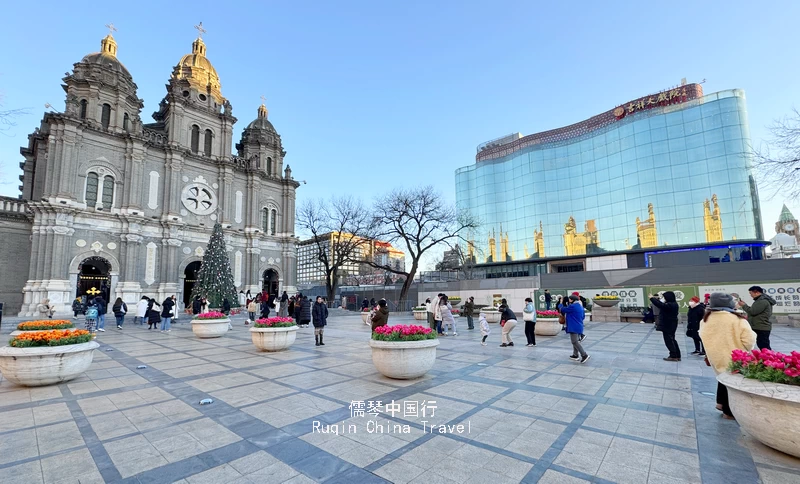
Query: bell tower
column 787, row 224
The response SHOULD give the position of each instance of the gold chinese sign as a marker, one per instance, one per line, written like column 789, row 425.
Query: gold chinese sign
column 665, row 98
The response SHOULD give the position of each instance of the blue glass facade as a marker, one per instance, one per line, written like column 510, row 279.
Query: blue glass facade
column 682, row 170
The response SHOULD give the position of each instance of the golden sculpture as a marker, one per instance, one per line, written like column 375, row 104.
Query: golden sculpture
column 712, row 221
column 504, row 245
column 538, row 241
column 471, row 250
column 527, row 254
column 492, row 257
column 575, row 243
column 646, row 232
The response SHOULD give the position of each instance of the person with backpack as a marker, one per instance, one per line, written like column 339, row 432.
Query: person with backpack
column 320, row 314
column 91, row 315
column 119, row 309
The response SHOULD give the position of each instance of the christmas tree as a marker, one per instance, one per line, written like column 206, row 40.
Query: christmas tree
column 214, row 279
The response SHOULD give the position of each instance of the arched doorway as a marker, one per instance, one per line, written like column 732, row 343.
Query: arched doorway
column 93, row 278
column 271, row 282
column 190, row 278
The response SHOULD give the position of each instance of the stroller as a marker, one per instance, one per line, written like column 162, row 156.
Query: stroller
column 91, row 318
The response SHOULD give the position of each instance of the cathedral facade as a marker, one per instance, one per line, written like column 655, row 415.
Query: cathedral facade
column 123, row 208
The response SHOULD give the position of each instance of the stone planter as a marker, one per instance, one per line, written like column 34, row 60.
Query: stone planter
column 421, row 315
column 492, row 316
column 18, row 332
column 273, row 339
column 605, row 303
column 547, row 327
column 404, row 360
column 45, row 365
column 210, row 328
column 769, row 412
column 365, row 317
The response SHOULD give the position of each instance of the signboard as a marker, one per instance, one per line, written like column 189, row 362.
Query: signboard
column 629, row 296
column 785, row 294
column 555, row 293
column 665, row 98
column 683, row 294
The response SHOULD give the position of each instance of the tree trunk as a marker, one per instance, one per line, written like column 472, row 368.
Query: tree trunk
column 407, row 285
column 330, row 286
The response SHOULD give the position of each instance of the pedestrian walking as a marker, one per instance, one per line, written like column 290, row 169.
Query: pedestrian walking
column 141, row 310
column 668, row 323
column 91, row 316
column 120, row 309
column 429, row 313
column 448, row 320
column 723, row 331
column 284, row 304
column 508, row 321
column 167, row 312
column 759, row 315
column 548, row 299
column 574, row 314
column 46, row 309
column 529, row 316
column 469, row 309
column 242, row 300
column 102, row 309
column 320, row 315
column 77, row 307
column 697, row 311
column 197, row 305
column 437, row 313
column 226, row 306
column 485, row 331
column 381, row 316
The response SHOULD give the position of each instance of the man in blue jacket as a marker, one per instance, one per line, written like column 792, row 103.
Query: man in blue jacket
column 574, row 315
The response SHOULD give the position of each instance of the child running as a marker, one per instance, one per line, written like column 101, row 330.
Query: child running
column 485, row 331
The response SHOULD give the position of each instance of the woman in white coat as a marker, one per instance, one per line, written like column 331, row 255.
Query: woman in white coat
column 141, row 310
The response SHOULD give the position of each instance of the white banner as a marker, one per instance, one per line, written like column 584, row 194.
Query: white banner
column 786, row 295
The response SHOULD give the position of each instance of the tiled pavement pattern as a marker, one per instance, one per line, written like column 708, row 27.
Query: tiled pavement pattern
column 626, row 416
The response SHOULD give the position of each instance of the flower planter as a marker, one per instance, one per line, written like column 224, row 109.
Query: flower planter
column 210, row 328
column 45, row 365
column 421, row 315
column 404, row 360
column 273, row 339
column 606, row 303
column 547, row 327
column 770, row 412
column 365, row 317
column 492, row 316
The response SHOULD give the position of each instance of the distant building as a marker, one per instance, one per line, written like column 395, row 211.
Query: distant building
column 451, row 260
column 787, row 224
column 356, row 272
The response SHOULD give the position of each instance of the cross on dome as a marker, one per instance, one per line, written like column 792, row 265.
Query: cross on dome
column 200, row 30
column 111, row 28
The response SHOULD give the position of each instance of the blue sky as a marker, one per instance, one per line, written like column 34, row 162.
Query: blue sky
column 373, row 95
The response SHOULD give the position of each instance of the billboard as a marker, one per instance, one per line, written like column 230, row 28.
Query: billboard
column 785, row 294
column 682, row 294
column 629, row 296
column 556, row 293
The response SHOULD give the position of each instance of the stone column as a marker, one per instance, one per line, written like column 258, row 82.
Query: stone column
column 169, row 271
column 128, row 286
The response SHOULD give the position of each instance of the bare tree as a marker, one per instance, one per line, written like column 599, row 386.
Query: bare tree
column 779, row 162
column 340, row 229
column 417, row 220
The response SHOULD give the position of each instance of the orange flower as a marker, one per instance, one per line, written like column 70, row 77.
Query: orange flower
column 44, row 324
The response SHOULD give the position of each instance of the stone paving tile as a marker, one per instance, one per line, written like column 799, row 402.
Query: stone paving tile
column 533, row 416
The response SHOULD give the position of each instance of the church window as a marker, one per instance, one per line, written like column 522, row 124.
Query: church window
column 195, row 138
column 273, row 218
column 207, row 143
column 269, row 166
column 265, row 220
column 105, row 119
column 125, row 122
column 108, row 192
column 91, row 189
column 84, row 105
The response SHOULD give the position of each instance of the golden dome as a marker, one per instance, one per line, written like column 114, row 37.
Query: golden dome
column 107, row 56
column 197, row 69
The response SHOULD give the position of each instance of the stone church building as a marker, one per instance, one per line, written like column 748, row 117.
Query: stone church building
column 113, row 205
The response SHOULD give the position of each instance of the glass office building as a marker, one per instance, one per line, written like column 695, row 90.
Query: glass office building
column 666, row 170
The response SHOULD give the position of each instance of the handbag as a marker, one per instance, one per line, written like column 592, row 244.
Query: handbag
column 562, row 319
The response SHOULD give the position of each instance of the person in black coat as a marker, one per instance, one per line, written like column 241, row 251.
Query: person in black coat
column 153, row 319
column 226, row 306
column 197, row 305
column 364, row 304
column 668, row 323
column 305, row 312
column 696, row 312
column 320, row 314
column 264, row 308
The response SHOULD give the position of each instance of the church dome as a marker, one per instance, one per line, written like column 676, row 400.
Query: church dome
column 197, row 69
column 261, row 123
column 107, row 56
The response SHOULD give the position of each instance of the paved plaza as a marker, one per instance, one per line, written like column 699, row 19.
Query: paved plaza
column 532, row 415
